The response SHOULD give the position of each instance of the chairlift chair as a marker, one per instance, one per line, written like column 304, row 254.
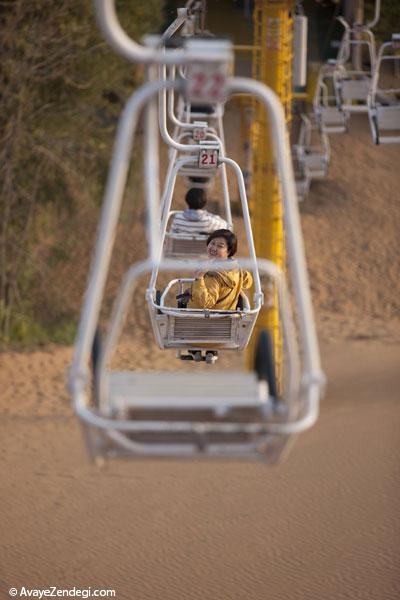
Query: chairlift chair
column 176, row 414
column 352, row 83
column 384, row 99
column 302, row 180
column 312, row 149
column 332, row 118
column 185, row 328
column 205, row 164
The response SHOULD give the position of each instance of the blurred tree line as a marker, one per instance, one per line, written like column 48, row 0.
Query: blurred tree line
column 389, row 21
column 61, row 91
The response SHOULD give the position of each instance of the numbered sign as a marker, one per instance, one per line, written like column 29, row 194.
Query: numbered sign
column 206, row 83
column 199, row 133
column 200, row 130
column 208, row 158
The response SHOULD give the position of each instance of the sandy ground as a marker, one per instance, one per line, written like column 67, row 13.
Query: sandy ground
column 324, row 525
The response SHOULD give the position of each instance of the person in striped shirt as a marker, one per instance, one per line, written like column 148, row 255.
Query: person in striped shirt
column 195, row 219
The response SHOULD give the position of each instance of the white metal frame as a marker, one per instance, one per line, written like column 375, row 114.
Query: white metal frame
column 257, row 436
column 183, row 245
column 180, row 129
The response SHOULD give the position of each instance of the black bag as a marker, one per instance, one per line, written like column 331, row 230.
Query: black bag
column 183, row 299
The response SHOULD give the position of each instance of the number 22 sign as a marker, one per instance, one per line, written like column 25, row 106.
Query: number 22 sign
column 206, row 83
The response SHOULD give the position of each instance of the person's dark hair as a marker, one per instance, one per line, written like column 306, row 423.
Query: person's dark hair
column 196, row 198
column 229, row 237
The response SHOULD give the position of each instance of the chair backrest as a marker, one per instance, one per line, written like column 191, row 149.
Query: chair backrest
column 180, row 245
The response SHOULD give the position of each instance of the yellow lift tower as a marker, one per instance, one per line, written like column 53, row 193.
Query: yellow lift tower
column 272, row 64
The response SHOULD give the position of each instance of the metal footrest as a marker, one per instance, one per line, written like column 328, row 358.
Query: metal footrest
column 209, row 356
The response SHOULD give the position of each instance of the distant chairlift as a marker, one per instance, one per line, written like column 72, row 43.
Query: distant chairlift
column 352, row 76
column 302, row 180
column 332, row 118
column 205, row 145
column 200, row 329
column 312, row 149
column 202, row 165
column 384, row 98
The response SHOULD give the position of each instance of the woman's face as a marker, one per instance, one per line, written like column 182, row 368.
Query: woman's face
column 218, row 249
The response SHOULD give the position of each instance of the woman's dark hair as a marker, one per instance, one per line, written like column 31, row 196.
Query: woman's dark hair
column 229, row 237
column 196, row 198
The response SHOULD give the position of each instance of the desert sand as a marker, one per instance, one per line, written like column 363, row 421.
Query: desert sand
column 323, row 525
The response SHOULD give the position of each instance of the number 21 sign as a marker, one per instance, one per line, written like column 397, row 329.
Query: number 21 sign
column 208, row 158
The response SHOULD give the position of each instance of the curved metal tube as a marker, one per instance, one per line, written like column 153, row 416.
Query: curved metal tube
column 377, row 14
column 175, row 25
column 113, row 195
column 246, row 219
column 294, row 238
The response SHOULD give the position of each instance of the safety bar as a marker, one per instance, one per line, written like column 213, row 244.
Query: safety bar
column 377, row 14
column 346, row 42
column 382, row 56
column 196, row 311
column 370, row 24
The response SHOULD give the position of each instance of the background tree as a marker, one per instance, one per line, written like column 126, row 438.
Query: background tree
column 61, row 91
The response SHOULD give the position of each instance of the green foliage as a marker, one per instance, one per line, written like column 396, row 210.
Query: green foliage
column 25, row 330
column 62, row 90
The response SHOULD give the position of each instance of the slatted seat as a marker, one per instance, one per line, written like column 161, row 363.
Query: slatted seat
column 177, row 245
column 333, row 120
column 315, row 165
column 191, row 330
column 198, row 329
column 388, row 117
column 355, row 89
column 313, row 149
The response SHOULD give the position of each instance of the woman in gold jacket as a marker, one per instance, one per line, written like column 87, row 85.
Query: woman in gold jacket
column 220, row 289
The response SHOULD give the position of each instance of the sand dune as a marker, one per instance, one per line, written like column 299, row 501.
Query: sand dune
column 323, row 525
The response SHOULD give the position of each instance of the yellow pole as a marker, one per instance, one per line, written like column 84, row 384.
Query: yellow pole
column 272, row 64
